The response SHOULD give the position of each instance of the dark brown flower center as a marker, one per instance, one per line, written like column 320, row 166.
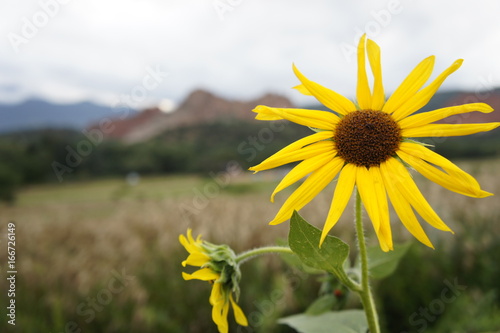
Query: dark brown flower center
column 367, row 137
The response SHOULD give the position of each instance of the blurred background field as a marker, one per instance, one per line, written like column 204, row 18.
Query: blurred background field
column 76, row 240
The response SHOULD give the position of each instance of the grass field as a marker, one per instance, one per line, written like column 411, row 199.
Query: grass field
column 104, row 256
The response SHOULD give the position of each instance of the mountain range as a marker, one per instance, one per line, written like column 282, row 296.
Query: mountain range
column 198, row 107
column 35, row 114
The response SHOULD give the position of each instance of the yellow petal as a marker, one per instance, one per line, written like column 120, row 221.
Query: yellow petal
column 327, row 97
column 303, row 169
column 316, row 182
column 196, row 259
column 439, row 177
column 280, row 158
column 216, row 295
column 220, row 307
column 189, row 243
column 440, row 130
column 454, row 178
column 363, row 94
column 185, row 243
column 190, row 235
column 402, row 207
column 219, row 316
column 372, row 191
column 432, row 116
column 378, row 97
column 409, row 87
column 407, row 187
column 204, row 274
column 223, row 326
column 421, row 98
column 266, row 114
column 239, row 316
column 312, row 118
column 191, row 239
column 341, row 196
column 303, row 90
column 299, row 144
column 366, row 188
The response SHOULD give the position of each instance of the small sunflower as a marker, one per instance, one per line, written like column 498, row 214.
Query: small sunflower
column 368, row 145
column 217, row 265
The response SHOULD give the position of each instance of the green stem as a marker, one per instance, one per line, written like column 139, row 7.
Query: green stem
column 240, row 258
column 365, row 293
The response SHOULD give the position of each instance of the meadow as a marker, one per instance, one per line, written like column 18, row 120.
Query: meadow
column 104, row 256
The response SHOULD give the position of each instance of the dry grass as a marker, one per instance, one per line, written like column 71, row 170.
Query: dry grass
column 71, row 237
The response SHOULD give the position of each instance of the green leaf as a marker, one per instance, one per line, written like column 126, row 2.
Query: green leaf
column 348, row 321
column 304, row 242
column 292, row 260
column 321, row 304
column 382, row 264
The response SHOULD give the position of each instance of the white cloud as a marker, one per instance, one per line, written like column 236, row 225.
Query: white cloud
column 100, row 49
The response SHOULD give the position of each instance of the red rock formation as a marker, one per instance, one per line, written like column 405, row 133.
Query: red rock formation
column 199, row 107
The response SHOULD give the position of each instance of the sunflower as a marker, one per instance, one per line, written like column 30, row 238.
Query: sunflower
column 217, row 266
column 368, row 146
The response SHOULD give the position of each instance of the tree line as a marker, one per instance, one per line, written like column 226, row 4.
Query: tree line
column 58, row 155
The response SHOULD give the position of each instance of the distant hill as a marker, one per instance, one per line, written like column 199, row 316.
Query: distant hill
column 199, row 107
column 35, row 114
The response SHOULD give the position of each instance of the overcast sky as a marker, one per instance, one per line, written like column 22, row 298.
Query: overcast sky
column 151, row 50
